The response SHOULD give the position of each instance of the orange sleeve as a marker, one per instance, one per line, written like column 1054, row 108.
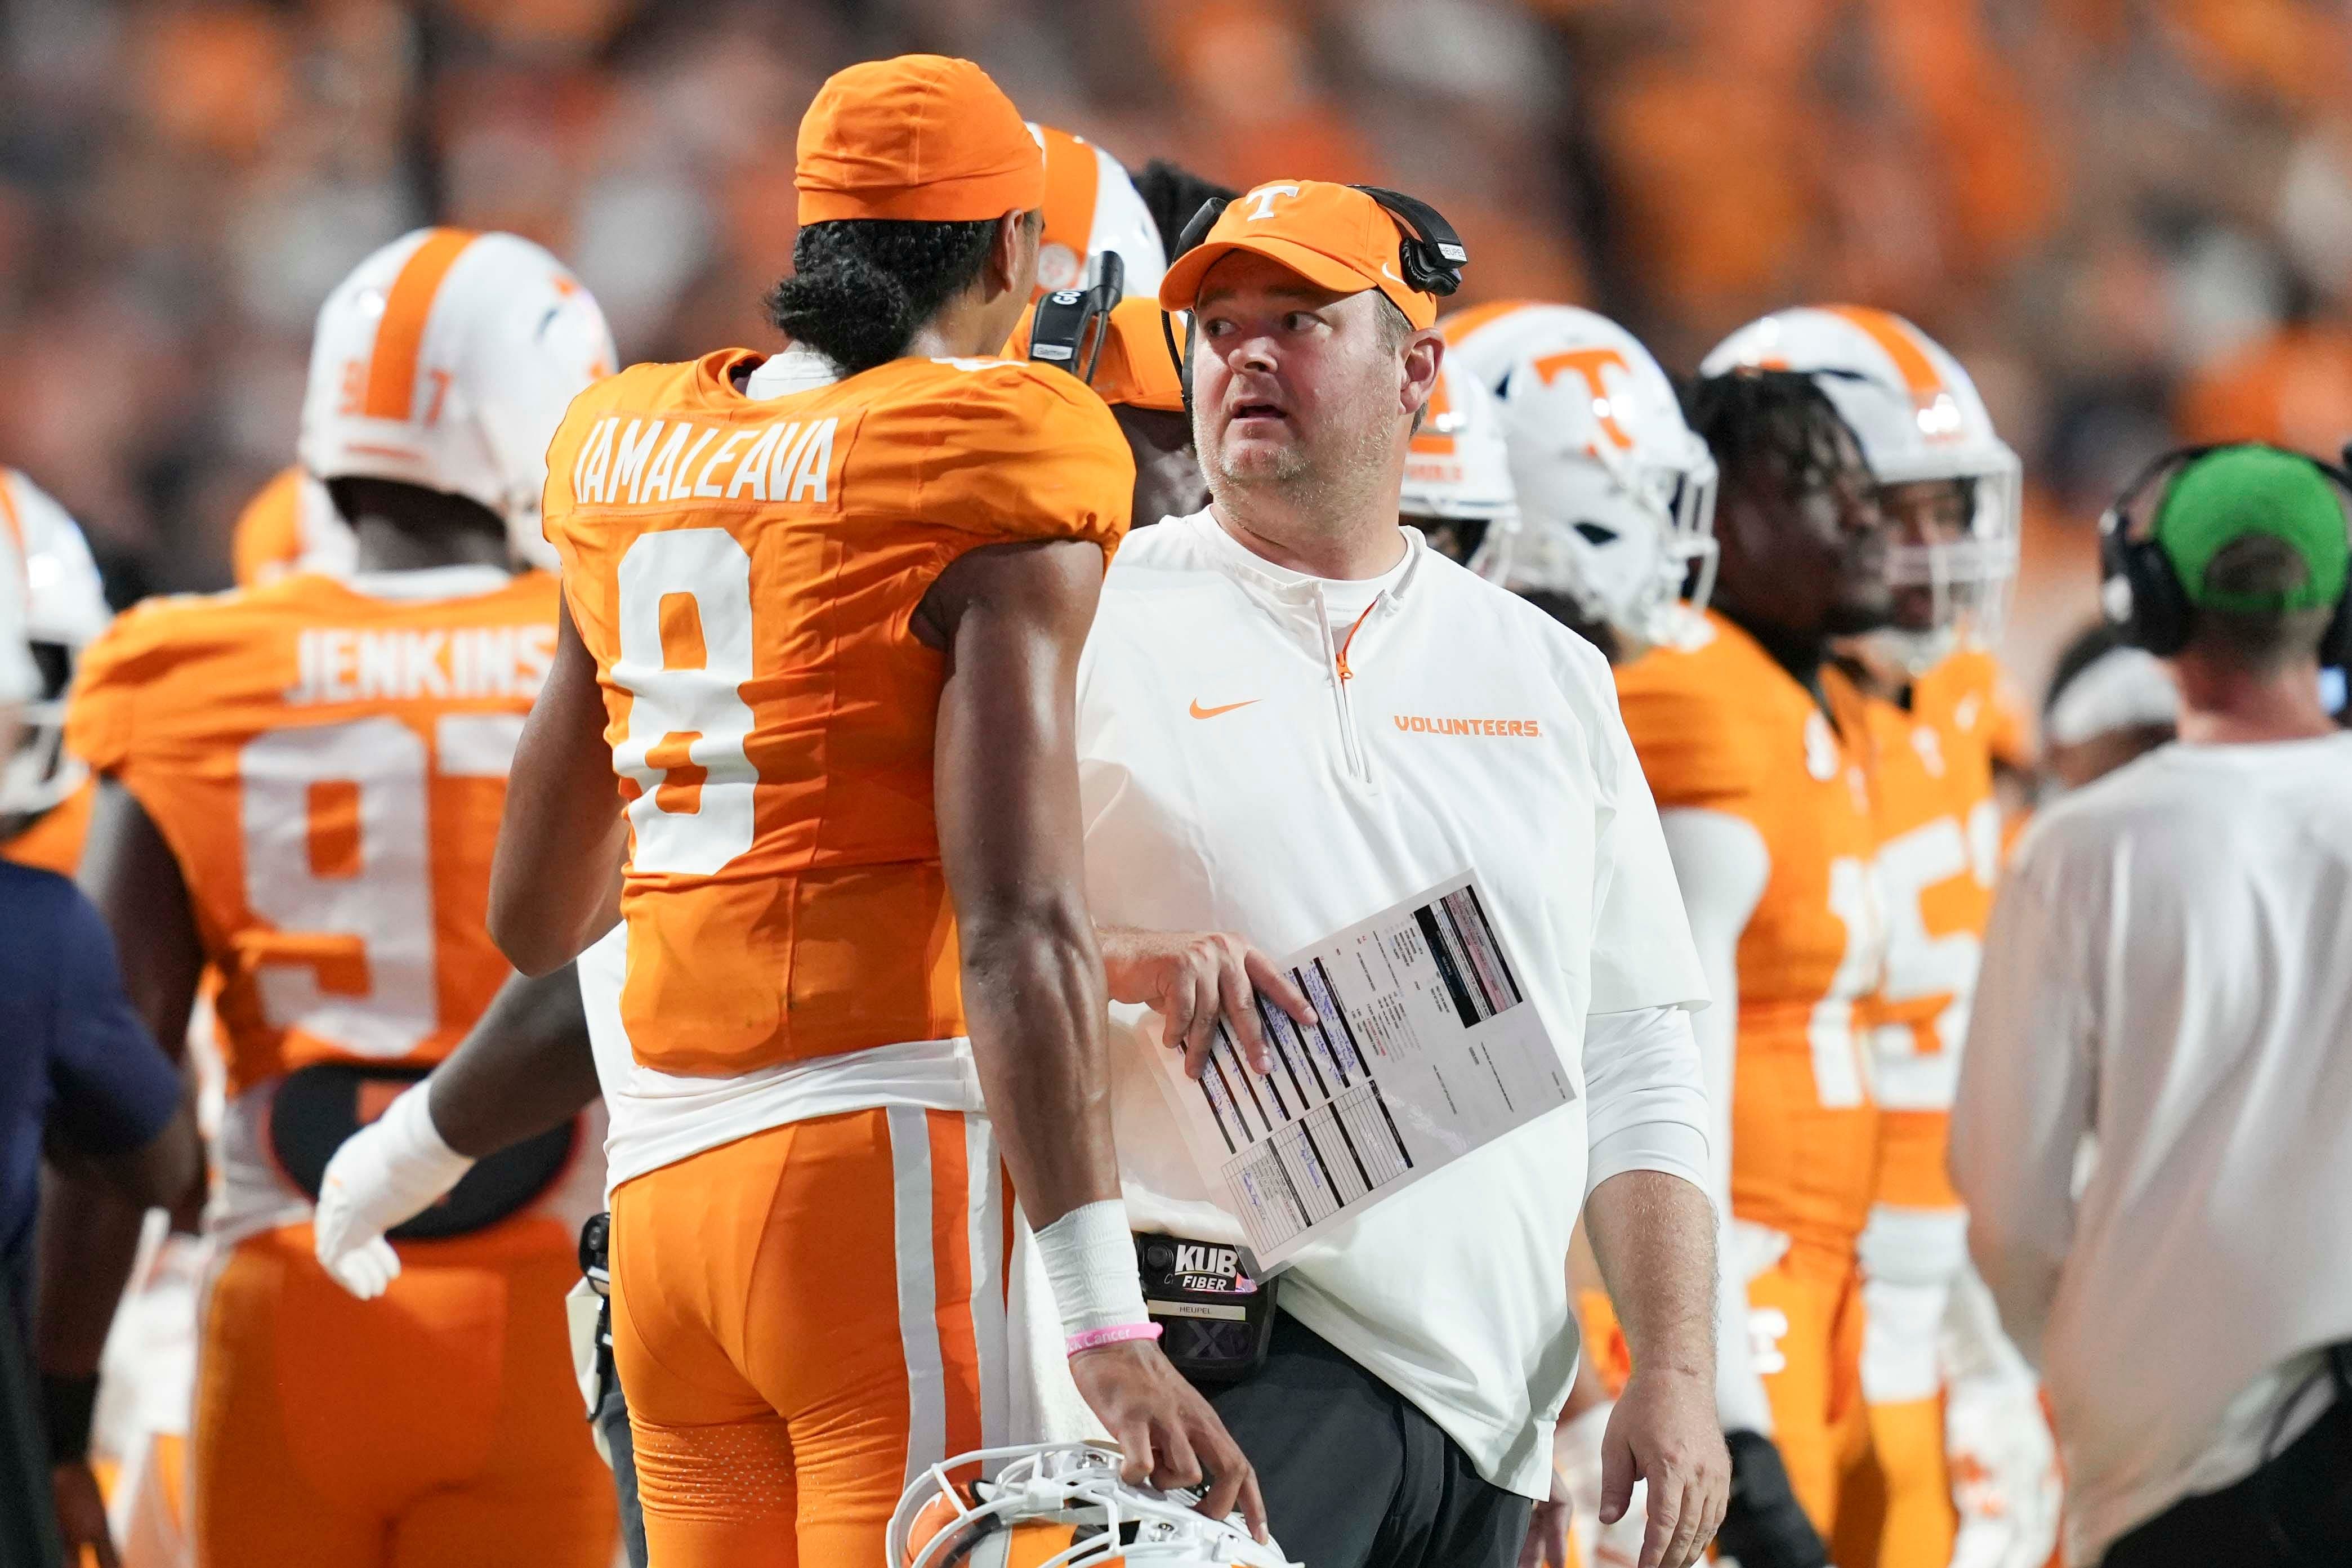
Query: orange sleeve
column 1012, row 451
column 1690, row 742
column 102, row 715
column 2010, row 738
column 269, row 536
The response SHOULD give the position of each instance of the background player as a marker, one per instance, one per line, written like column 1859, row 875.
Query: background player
column 1457, row 478
column 1939, row 722
column 44, row 789
column 1616, row 494
column 807, row 1265
column 301, row 786
column 1618, row 519
column 1755, row 747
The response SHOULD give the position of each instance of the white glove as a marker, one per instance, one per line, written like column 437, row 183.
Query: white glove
column 385, row 1174
column 2005, row 1478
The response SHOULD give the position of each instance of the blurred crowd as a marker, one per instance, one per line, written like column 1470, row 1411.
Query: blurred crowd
column 2132, row 219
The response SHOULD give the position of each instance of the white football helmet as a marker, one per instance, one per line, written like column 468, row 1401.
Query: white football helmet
column 445, row 360
column 1918, row 417
column 65, row 609
column 1459, row 470
column 1616, row 493
column 1059, row 1505
column 1092, row 206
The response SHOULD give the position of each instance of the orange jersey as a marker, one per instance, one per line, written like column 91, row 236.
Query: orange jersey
column 745, row 572
column 1939, row 850
column 1721, row 727
column 54, row 840
column 328, row 767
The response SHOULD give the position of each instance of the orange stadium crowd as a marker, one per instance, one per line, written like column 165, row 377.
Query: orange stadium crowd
column 2126, row 217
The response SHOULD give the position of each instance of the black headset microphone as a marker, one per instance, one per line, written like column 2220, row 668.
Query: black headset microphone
column 1429, row 260
column 2143, row 597
column 1068, row 326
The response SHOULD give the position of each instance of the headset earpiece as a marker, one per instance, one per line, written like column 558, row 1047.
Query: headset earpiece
column 2138, row 591
column 1431, row 256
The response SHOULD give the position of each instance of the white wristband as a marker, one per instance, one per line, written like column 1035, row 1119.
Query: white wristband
column 415, row 1146
column 1089, row 1256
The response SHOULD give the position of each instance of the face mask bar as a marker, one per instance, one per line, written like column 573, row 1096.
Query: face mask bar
column 1971, row 580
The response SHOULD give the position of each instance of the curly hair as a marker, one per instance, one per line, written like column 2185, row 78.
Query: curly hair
column 1775, row 429
column 861, row 288
column 1171, row 196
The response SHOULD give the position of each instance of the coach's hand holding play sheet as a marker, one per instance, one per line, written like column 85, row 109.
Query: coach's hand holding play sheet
column 1420, row 1050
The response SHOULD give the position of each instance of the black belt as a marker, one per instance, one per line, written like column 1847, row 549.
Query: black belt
column 316, row 1108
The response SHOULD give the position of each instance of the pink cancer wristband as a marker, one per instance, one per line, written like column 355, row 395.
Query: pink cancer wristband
column 1117, row 1334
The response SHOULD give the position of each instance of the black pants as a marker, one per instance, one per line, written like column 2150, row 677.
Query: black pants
column 1354, row 1476
column 613, row 1420
column 2294, row 1513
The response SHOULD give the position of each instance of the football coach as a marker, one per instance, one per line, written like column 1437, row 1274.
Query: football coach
column 1293, row 713
column 2164, row 978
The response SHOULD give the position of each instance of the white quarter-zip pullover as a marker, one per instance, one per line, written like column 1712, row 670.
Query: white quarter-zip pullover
column 1281, row 756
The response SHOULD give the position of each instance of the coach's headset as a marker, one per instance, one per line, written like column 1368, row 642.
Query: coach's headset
column 1068, row 326
column 2141, row 595
column 1430, row 258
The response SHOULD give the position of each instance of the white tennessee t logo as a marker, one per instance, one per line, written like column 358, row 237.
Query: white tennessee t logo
column 1262, row 200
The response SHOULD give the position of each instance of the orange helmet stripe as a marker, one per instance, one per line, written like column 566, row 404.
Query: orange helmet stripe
column 1902, row 346
column 400, row 335
column 8, row 512
column 1462, row 323
column 1072, row 178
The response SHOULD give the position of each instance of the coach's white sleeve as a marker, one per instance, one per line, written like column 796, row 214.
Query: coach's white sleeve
column 1722, row 864
column 2024, row 1103
column 1646, row 1100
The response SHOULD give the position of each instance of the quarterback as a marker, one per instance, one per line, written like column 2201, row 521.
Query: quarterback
column 822, row 615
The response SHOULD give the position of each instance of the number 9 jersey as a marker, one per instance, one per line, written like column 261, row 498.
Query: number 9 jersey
column 328, row 764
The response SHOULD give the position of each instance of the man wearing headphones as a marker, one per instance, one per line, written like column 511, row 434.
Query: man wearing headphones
column 2164, row 977
column 1293, row 715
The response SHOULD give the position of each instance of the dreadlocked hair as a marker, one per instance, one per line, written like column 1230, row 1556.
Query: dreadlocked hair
column 1171, row 196
column 861, row 288
column 1774, row 429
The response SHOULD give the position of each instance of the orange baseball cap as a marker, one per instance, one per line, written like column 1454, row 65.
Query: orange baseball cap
column 920, row 137
column 1134, row 368
column 1334, row 236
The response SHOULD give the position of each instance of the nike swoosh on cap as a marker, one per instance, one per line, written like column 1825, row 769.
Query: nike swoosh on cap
column 1200, row 712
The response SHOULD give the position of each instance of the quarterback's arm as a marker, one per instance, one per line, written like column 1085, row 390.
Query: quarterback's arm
column 2024, row 1103
column 1011, row 618
column 555, row 883
column 1721, row 863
